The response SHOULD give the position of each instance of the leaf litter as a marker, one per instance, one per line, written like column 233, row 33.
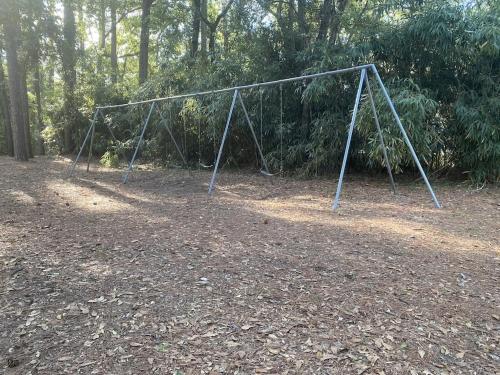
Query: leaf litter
column 153, row 277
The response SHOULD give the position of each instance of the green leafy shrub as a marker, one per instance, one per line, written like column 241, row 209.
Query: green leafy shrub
column 110, row 159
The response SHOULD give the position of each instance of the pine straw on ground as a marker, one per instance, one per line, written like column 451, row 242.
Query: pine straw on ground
column 155, row 277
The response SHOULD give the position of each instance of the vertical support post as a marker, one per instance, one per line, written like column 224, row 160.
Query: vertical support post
column 380, row 136
column 349, row 138
column 131, row 164
column 92, row 125
column 264, row 164
column 405, row 136
column 221, row 148
column 90, row 147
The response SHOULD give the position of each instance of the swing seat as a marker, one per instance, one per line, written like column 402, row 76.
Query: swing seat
column 205, row 166
column 267, row 174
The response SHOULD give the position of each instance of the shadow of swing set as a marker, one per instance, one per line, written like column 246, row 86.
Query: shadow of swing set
column 364, row 69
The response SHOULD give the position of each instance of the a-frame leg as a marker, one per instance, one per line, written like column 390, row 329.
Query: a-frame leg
column 164, row 121
column 131, row 164
column 264, row 163
column 221, row 148
column 90, row 147
column 109, row 127
column 405, row 136
column 349, row 138
column 91, row 129
column 380, row 136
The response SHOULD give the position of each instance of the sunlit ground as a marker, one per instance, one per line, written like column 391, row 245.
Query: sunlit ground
column 155, row 276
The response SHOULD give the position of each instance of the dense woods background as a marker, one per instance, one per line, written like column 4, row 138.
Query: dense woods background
column 440, row 60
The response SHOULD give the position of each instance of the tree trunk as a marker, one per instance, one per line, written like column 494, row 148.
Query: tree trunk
column 4, row 108
column 102, row 35
column 102, row 24
column 114, row 57
column 211, row 42
column 324, row 19
column 12, row 32
column 212, row 27
column 301, row 16
column 69, row 74
column 336, row 20
column 196, row 27
column 204, row 28
column 303, row 26
column 144, row 42
column 37, row 85
column 225, row 35
column 26, row 109
column 81, row 27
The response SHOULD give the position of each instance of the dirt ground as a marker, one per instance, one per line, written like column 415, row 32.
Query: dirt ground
column 154, row 277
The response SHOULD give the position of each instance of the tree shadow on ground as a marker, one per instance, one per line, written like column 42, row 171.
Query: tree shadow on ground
column 236, row 280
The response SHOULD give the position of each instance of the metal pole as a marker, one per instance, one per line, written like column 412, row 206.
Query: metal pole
column 261, row 118
column 131, row 164
column 349, row 138
column 381, row 138
column 84, row 142
column 109, row 127
column 90, row 147
column 226, row 129
column 245, row 87
column 264, row 164
column 281, row 130
column 164, row 122
column 405, row 136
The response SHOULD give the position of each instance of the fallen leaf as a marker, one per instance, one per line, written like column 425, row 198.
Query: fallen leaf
column 326, row 357
column 210, row 334
column 231, row 344
column 273, row 350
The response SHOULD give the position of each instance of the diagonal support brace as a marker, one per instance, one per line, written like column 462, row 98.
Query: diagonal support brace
column 405, row 136
column 139, row 143
column 164, row 121
column 264, row 163
column 380, row 136
column 223, row 141
column 349, row 139
column 91, row 129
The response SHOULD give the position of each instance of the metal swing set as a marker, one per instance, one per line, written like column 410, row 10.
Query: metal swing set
column 363, row 81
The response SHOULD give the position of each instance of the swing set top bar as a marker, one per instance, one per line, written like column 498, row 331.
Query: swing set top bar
column 244, row 87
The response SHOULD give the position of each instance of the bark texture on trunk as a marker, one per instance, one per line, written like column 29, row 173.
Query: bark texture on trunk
column 196, row 27
column 337, row 20
column 203, row 28
column 26, row 110
column 69, row 74
column 114, row 57
column 12, row 31
column 325, row 19
column 102, row 24
column 4, row 108
column 37, row 85
column 212, row 26
column 144, row 42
